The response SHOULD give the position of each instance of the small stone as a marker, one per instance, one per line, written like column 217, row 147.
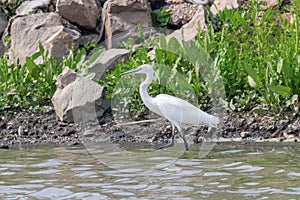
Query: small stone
column 245, row 134
column 3, row 146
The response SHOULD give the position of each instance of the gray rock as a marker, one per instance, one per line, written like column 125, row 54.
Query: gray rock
column 80, row 100
column 46, row 28
column 66, row 77
column 81, row 12
column 34, row 6
column 108, row 61
column 3, row 24
column 220, row 5
column 181, row 13
column 122, row 15
column 190, row 29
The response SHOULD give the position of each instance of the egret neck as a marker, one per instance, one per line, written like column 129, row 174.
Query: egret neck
column 147, row 99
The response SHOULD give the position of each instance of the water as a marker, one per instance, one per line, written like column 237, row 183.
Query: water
column 230, row 171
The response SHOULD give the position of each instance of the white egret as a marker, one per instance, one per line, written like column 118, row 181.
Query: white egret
column 176, row 110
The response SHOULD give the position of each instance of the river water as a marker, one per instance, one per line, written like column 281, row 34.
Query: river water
column 106, row 171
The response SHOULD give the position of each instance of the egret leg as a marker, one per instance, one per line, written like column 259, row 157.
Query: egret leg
column 173, row 138
column 182, row 136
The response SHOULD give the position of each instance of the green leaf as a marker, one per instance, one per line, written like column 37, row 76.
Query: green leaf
column 241, row 20
column 230, row 16
column 95, row 57
column 80, row 57
column 32, row 68
column 287, row 71
column 163, row 42
column 253, row 75
column 41, row 48
column 36, row 55
column 281, row 90
column 174, row 46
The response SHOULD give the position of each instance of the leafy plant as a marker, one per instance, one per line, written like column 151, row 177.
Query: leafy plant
column 161, row 17
column 11, row 6
column 28, row 85
column 257, row 46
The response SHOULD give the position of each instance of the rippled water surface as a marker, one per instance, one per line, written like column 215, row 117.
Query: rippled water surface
column 104, row 171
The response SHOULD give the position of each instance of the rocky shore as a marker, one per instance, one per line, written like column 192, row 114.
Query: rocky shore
column 51, row 23
column 19, row 127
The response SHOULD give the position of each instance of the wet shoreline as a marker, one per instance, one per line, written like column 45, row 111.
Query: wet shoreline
column 20, row 127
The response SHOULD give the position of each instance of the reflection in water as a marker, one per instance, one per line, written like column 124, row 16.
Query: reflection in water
column 231, row 171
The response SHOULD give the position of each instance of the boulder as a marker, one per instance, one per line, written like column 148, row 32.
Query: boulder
column 34, row 6
column 220, row 5
column 78, row 99
column 82, row 12
column 190, row 30
column 45, row 28
column 108, row 61
column 65, row 78
column 182, row 13
column 122, row 15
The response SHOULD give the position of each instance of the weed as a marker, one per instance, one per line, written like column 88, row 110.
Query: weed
column 161, row 17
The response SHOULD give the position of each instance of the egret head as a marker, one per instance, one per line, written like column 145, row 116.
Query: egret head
column 143, row 69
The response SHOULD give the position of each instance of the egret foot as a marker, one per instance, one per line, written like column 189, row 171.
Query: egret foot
column 185, row 143
column 172, row 143
column 168, row 145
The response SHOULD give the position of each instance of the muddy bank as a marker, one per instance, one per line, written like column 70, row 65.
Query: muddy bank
column 19, row 127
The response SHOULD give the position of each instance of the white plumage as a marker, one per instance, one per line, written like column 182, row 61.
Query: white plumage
column 176, row 110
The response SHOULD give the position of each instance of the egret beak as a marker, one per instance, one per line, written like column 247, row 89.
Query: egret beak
column 130, row 72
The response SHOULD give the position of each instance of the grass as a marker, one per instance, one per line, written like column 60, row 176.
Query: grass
column 255, row 52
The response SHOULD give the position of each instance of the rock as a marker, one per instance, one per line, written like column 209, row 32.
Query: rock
column 108, row 61
column 78, row 101
column 34, row 6
column 82, row 12
column 245, row 134
column 190, row 29
column 45, row 28
column 65, row 78
column 181, row 13
column 220, row 5
column 122, row 15
column 3, row 24
column 268, row 3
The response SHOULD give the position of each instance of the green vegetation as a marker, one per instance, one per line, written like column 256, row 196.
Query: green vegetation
column 260, row 46
column 31, row 85
column 11, row 7
column 161, row 17
column 255, row 52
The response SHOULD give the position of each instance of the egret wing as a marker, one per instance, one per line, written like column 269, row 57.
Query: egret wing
column 178, row 110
